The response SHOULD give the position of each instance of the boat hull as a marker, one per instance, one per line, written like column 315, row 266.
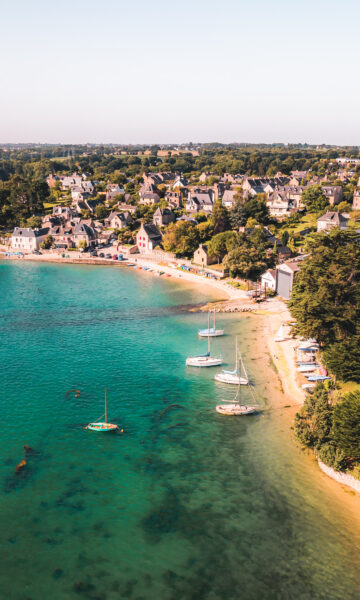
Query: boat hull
column 231, row 379
column 102, row 427
column 203, row 361
column 206, row 333
column 235, row 410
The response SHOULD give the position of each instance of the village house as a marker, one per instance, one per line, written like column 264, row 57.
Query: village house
column 148, row 238
column 332, row 219
column 78, row 194
column 268, row 280
column 202, row 256
column 62, row 235
column 112, row 190
column 149, row 194
column 333, row 193
column 228, row 199
column 204, row 176
column 173, row 199
column 126, row 208
column 204, row 199
column 163, row 216
column 84, row 232
column 298, row 177
column 180, row 182
column 118, row 220
column 26, row 238
column 193, row 205
column 356, row 200
column 279, row 205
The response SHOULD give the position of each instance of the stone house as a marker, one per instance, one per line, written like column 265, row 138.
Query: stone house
column 228, row 198
column 163, row 216
column 279, row 205
column 84, row 232
column 118, row 220
column 333, row 193
column 356, row 200
column 202, row 256
column 149, row 194
column 173, row 199
column 148, row 238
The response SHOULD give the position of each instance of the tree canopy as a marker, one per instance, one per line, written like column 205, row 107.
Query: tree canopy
column 325, row 299
column 314, row 198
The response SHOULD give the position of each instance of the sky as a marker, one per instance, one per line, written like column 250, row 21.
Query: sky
column 170, row 71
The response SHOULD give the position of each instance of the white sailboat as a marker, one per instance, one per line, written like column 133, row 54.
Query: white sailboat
column 211, row 331
column 233, row 377
column 235, row 407
column 280, row 336
column 204, row 360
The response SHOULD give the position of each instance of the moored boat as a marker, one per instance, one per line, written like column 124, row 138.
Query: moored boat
column 235, row 407
column 204, row 360
column 211, row 331
column 102, row 426
column 232, row 377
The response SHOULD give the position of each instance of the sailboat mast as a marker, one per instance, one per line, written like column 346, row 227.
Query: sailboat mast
column 209, row 332
column 105, row 408
column 214, row 319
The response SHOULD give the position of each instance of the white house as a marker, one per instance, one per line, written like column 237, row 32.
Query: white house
column 268, row 280
column 332, row 219
column 25, row 238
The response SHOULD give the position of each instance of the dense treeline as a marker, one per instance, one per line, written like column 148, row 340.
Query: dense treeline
column 332, row 430
column 258, row 160
column 325, row 300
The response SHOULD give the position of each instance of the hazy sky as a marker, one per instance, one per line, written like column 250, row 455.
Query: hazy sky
column 177, row 71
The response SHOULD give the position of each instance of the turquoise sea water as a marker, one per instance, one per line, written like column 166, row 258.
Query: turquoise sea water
column 185, row 504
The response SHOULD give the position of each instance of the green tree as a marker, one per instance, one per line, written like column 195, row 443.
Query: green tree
column 182, row 238
column 205, row 231
column 346, row 426
column 313, row 422
column 284, row 237
column 343, row 359
column 34, row 222
column 246, row 261
column 101, row 211
column 220, row 218
column 47, row 243
column 314, row 198
column 221, row 244
column 325, row 299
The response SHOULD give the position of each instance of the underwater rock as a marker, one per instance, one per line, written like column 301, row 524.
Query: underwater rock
column 58, row 573
column 20, row 466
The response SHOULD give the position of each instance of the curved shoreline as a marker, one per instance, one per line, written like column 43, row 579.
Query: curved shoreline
column 342, row 478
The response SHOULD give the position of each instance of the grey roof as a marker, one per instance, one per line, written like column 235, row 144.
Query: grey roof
column 29, row 232
column 334, row 217
column 152, row 231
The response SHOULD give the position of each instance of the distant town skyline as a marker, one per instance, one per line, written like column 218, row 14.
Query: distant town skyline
column 160, row 72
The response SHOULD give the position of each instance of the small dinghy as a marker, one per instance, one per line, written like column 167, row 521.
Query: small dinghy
column 102, row 426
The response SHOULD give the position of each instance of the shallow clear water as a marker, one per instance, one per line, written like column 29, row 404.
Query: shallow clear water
column 185, row 504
